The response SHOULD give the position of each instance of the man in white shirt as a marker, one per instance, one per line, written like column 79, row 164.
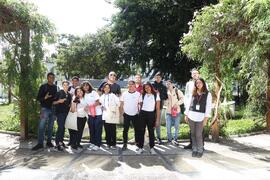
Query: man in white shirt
column 130, row 108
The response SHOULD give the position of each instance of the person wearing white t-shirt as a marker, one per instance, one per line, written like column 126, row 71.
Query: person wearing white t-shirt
column 78, row 105
column 110, row 105
column 149, row 116
column 130, row 108
column 95, row 122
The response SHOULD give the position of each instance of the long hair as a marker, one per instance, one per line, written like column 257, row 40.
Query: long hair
column 204, row 88
column 86, row 83
column 105, row 84
column 76, row 91
column 153, row 91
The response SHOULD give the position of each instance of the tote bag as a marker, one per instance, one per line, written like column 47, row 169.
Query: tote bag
column 71, row 121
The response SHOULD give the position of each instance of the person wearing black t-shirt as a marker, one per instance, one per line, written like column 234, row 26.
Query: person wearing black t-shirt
column 62, row 106
column 115, row 88
column 46, row 96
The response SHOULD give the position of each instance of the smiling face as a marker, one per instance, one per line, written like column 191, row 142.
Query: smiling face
column 199, row 85
column 79, row 93
column 195, row 74
column 131, row 86
column 138, row 79
column 169, row 85
column 75, row 82
column 50, row 79
column 147, row 89
column 112, row 76
column 86, row 87
column 65, row 86
column 106, row 88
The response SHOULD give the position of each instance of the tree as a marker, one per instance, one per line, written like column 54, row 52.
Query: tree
column 92, row 56
column 151, row 31
column 228, row 31
column 24, row 31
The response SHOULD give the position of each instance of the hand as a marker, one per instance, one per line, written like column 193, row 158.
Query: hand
column 86, row 108
column 47, row 96
column 175, row 106
column 60, row 101
column 157, row 123
column 205, row 122
column 186, row 119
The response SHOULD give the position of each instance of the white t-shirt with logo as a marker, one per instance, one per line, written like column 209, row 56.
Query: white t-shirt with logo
column 131, row 102
column 149, row 102
column 90, row 99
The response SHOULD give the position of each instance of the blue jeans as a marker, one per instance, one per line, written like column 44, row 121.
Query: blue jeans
column 61, row 119
column 95, row 124
column 45, row 115
column 172, row 121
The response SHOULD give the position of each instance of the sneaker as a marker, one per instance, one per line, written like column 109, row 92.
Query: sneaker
column 159, row 141
column 194, row 154
column 140, row 151
column 188, row 146
column 199, row 155
column 37, row 147
column 124, row 147
column 95, row 148
column 49, row 145
column 74, row 147
column 152, row 151
column 59, row 148
column 113, row 147
column 80, row 146
column 63, row 145
column 107, row 147
column 174, row 142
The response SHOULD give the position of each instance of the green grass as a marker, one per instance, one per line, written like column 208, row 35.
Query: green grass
column 10, row 122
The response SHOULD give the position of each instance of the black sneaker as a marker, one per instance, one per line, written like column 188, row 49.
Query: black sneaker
column 59, row 148
column 49, row 145
column 124, row 147
column 194, row 154
column 63, row 145
column 74, row 147
column 80, row 146
column 37, row 147
column 199, row 155
column 188, row 146
column 159, row 141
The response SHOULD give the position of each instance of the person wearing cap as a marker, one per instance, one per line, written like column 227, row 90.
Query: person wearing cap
column 111, row 80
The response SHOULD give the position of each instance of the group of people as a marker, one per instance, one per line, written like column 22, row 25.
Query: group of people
column 141, row 105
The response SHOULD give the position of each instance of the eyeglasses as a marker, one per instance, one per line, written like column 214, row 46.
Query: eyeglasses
column 112, row 75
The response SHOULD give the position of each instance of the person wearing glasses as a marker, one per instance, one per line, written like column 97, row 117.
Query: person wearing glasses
column 111, row 80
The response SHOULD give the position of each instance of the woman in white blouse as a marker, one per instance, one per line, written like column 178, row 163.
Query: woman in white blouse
column 78, row 105
column 110, row 105
column 197, row 113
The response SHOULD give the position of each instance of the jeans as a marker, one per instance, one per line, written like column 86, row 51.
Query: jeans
column 95, row 124
column 61, row 119
column 172, row 121
column 46, row 114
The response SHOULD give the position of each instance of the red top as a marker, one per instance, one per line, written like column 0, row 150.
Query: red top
column 139, row 89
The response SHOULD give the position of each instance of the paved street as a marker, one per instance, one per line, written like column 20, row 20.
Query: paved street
column 239, row 158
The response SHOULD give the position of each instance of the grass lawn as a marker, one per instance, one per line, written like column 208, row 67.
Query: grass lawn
column 9, row 122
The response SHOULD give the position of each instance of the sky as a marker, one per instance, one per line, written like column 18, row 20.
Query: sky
column 76, row 17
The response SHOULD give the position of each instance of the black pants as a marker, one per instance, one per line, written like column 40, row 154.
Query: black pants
column 110, row 130
column 127, row 119
column 76, row 136
column 146, row 119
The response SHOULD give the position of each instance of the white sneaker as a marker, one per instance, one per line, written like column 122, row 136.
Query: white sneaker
column 107, row 147
column 95, row 148
column 140, row 151
column 174, row 142
column 113, row 147
column 152, row 151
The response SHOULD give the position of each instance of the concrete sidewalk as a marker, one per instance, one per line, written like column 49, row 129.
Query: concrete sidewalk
column 238, row 158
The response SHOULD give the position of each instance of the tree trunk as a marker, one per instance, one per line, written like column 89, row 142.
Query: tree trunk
column 215, row 125
column 9, row 93
column 24, row 82
column 268, row 96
